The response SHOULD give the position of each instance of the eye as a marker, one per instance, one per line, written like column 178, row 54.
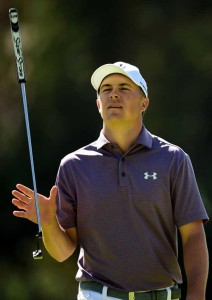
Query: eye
column 106, row 90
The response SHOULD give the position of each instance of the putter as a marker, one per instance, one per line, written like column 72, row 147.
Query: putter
column 16, row 38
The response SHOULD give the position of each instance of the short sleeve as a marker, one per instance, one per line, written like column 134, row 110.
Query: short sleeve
column 186, row 199
column 66, row 199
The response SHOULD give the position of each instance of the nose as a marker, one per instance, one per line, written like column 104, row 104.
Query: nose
column 114, row 95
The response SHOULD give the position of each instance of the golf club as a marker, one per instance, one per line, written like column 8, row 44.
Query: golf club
column 13, row 15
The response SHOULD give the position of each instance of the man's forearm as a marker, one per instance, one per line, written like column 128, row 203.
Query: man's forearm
column 196, row 266
column 57, row 242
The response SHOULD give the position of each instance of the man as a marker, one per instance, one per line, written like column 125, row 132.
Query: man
column 122, row 198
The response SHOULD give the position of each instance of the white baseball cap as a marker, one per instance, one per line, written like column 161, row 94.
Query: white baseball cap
column 123, row 68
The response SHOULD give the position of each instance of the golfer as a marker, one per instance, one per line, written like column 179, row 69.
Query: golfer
column 124, row 198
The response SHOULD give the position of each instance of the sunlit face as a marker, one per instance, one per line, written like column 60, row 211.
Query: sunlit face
column 121, row 100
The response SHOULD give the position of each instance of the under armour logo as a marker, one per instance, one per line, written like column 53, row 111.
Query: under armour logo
column 153, row 176
column 123, row 66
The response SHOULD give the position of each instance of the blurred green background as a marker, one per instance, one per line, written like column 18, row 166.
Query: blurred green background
column 63, row 43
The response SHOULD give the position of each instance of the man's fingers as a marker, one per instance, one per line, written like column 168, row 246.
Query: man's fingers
column 27, row 191
column 19, row 204
column 20, row 214
column 20, row 196
column 25, row 215
column 24, row 200
column 53, row 192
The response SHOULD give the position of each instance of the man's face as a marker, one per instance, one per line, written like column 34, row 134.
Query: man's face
column 121, row 100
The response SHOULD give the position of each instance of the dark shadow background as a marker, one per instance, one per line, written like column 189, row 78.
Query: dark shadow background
column 63, row 43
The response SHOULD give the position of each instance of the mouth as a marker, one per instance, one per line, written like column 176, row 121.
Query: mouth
column 115, row 106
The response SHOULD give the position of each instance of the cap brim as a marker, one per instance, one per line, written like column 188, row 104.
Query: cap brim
column 103, row 71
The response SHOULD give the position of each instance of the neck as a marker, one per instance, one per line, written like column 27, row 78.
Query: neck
column 124, row 138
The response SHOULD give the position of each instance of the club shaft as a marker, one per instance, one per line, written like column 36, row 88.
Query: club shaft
column 24, row 98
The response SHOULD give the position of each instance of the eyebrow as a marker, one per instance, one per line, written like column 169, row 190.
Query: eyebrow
column 120, row 85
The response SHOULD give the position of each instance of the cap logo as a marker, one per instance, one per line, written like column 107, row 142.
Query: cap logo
column 122, row 66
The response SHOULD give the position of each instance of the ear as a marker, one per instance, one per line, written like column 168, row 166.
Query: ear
column 145, row 104
column 98, row 103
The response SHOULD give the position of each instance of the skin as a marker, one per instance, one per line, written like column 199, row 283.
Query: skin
column 121, row 105
column 196, row 260
column 59, row 243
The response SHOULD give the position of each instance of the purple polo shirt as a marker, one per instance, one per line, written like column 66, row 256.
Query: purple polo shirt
column 127, row 208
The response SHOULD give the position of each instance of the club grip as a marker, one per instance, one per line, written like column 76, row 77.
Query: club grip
column 16, row 38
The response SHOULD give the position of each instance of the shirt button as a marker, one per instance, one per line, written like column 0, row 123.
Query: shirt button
column 122, row 159
column 123, row 174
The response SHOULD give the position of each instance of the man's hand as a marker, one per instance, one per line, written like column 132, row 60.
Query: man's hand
column 24, row 200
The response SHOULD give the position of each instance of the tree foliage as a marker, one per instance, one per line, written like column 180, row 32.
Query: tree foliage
column 63, row 43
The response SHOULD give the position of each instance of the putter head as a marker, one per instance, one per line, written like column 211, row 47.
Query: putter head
column 37, row 254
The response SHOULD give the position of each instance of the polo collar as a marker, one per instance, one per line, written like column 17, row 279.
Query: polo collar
column 144, row 139
column 102, row 140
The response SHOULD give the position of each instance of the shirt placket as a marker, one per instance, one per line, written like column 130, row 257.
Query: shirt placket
column 123, row 178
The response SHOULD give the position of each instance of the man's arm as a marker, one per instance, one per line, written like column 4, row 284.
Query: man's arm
column 195, row 257
column 59, row 243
